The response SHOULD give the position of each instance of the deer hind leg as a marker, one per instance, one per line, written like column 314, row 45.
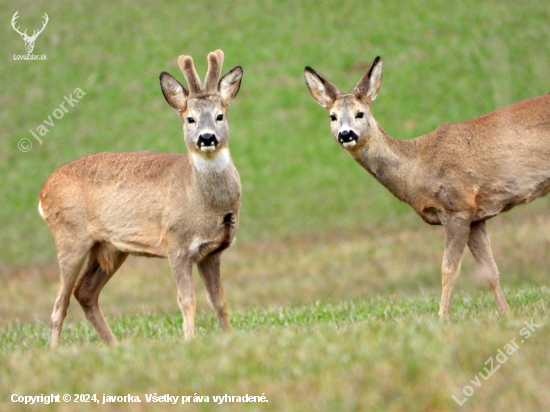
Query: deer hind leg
column 71, row 258
column 182, row 268
column 456, row 236
column 103, row 262
column 209, row 269
column 479, row 245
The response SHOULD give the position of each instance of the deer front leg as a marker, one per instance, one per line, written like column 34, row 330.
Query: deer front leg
column 182, row 268
column 209, row 269
column 456, row 236
column 479, row 245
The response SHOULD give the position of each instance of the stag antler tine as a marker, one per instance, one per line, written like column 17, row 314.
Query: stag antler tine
column 220, row 56
column 215, row 61
column 46, row 19
column 13, row 21
column 188, row 69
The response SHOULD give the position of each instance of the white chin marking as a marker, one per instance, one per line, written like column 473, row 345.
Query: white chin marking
column 349, row 144
column 218, row 161
column 208, row 148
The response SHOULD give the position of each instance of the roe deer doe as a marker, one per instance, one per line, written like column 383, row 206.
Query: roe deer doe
column 457, row 176
column 176, row 206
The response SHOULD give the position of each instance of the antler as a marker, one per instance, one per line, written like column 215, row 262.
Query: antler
column 15, row 17
column 188, row 69
column 215, row 62
column 37, row 32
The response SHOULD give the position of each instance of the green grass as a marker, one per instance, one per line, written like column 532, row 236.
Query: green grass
column 389, row 310
column 333, row 285
column 385, row 353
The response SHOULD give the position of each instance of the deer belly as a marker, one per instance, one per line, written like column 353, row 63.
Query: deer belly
column 139, row 246
column 145, row 240
column 501, row 198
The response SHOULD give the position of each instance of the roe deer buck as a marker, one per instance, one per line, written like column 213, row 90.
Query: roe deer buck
column 176, row 206
column 457, row 176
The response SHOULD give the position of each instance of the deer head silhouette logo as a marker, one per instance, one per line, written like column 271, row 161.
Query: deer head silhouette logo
column 29, row 40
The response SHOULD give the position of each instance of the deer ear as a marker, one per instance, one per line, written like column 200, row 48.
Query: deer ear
column 230, row 84
column 322, row 91
column 174, row 93
column 368, row 86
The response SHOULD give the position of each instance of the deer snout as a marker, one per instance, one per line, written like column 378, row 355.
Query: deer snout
column 347, row 138
column 207, row 142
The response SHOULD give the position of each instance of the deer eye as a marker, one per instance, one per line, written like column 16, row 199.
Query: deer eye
column 332, row 117
column 359, row 115
column 190, row 120
column 219, row 117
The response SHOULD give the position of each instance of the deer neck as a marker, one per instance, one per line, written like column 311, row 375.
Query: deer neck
column 390, row 161
column 215, row 179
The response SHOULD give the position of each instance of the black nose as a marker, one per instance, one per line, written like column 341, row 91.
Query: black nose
column 207, row 139
column 346, row 136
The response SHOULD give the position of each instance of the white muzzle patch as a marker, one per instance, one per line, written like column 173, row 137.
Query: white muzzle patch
column 210, row 148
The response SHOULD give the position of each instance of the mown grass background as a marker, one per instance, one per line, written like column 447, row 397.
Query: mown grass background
column 333, row 285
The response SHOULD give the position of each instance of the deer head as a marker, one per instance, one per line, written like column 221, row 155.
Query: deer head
column 203, row 108
column 351, row 120
column 29, row 40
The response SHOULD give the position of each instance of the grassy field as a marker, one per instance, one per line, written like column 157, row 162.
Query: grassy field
column 333, row 285
column 379, row 354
